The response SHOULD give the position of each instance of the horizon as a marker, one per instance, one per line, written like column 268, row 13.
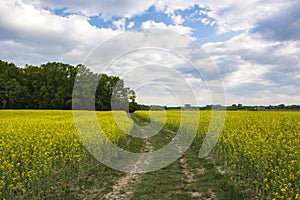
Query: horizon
column 227, row 105
column 177, row 105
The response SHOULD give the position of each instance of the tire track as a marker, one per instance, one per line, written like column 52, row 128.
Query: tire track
column 190, row 176
column 125, row 187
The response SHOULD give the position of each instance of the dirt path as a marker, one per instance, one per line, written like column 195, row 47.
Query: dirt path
column 126, row 185
column 189, row 177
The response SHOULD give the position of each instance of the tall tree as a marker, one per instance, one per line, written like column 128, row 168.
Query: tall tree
column 50, row 86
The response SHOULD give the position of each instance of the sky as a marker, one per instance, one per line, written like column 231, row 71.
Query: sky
column 254, row 45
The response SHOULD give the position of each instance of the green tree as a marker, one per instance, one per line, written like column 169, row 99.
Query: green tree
column 84, row 90
column 10, row 92
column 50, row 86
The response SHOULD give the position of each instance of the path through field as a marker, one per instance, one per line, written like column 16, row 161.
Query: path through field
column 187, row 178
column 126, row 185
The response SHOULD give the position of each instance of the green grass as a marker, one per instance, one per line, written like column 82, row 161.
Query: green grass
column 96, row 180
column 171, row 183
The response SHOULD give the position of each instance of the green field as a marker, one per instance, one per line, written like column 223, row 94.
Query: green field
column 256, row 157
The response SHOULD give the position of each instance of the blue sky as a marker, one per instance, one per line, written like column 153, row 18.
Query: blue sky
column 254, row 44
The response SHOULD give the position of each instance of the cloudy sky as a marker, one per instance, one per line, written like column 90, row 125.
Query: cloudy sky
column 255, row 44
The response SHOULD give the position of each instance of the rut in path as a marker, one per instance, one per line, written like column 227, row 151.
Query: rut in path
column 126, row 185
column 189, row 175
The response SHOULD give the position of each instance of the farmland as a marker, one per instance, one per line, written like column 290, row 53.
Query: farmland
column 259, row 150
column 256, row 157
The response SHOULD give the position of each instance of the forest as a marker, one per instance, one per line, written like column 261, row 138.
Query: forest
column 50, row 86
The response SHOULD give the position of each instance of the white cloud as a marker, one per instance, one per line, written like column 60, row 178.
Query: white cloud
column 131, row 24
column 287, row 22
column 177, row 19
column 107, row 8
column 160, row 84
column 169, row 6
column 235, row 15
column 46, row 36
column 205, row 21
column 187, row 31
column 152, row 57
column 258, row 70
column 229, row 15
column 120, row 24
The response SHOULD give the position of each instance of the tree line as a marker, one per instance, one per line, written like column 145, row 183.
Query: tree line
column 251, row 108
column 50, row 86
